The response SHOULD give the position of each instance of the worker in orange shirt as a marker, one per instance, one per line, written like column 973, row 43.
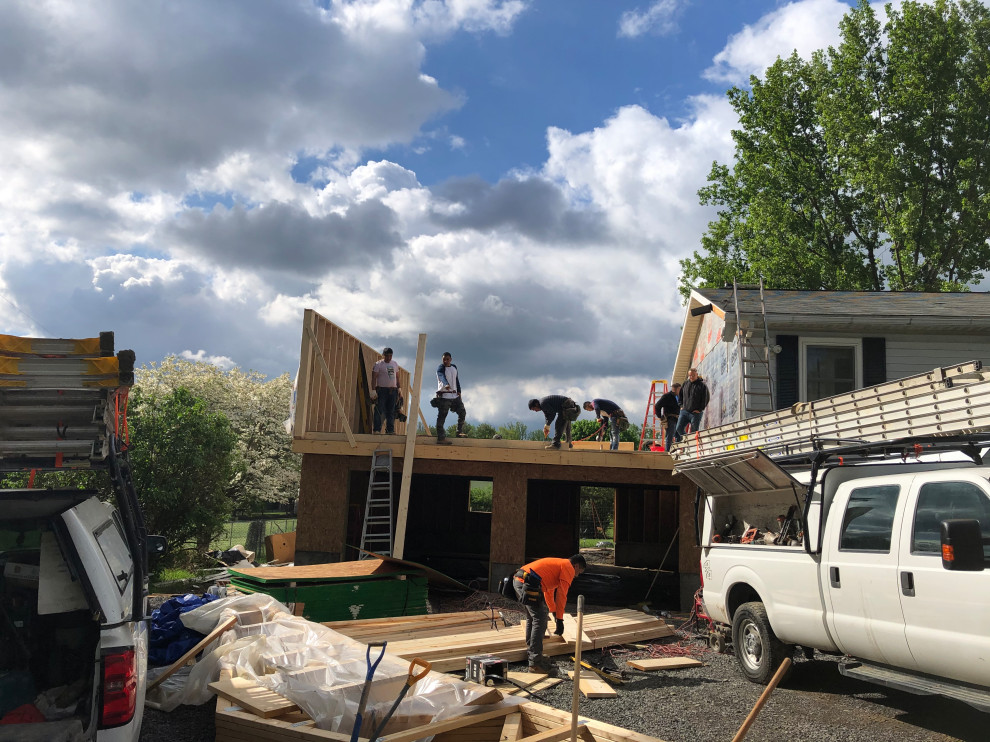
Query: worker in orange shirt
column 552, row 577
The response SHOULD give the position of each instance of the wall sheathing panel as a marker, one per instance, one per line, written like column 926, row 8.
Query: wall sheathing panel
column 330, row 482
column 322, row 524
column 342, row 353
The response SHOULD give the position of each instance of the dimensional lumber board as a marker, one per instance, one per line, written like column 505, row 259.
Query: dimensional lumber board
column 666, row 663
column 448, row 651
column 206, row 641
column 512, row 728
column 252, row 697
column 334, row 571
column 592, row 686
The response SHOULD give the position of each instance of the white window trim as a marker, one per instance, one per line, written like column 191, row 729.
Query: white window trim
column 803, row 343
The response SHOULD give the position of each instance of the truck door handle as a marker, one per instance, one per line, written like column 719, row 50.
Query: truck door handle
column 833, row 577
column 907, row 583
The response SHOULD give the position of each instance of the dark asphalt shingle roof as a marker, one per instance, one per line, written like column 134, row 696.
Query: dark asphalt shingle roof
column 864, row 303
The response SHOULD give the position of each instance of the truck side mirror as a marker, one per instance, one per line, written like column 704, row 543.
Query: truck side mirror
column 962, row 545
column 155, row 545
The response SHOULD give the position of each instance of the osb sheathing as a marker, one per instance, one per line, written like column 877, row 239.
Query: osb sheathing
column 324, row 490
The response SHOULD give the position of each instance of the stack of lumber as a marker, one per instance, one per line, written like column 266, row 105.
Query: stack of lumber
column 447, row 639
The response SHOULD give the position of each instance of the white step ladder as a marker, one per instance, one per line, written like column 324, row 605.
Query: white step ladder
column 376, row 534
column 949, row 402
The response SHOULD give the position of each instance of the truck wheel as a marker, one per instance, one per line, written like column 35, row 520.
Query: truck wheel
column 758, row 650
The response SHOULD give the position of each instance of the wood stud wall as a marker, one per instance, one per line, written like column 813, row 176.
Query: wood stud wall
column 315, row 408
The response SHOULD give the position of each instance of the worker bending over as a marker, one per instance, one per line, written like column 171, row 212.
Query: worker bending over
column 552, row 577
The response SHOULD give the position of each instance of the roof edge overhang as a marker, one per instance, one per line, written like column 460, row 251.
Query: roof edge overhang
column 690, row 331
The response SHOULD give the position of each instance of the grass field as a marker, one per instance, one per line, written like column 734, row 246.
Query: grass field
column 236, row 532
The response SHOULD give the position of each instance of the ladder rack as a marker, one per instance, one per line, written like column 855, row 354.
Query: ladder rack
column 949, row 402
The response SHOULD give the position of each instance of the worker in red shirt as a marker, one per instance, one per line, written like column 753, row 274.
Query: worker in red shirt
column 552, row 577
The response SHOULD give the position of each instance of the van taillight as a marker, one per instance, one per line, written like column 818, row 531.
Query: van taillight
column 119, row 688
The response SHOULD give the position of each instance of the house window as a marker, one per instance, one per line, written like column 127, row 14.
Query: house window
column 830, row 367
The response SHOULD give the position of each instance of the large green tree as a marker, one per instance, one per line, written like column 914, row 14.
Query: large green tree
column 256, row 408
column 185, row 463
column 865, row 168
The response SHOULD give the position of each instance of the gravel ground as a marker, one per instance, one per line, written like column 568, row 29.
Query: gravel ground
column 708, row 704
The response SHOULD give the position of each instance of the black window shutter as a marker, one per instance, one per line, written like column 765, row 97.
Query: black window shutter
column 787, row 371
column 874, row 361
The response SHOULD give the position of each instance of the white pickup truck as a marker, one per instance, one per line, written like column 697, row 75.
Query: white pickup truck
column 882, row 562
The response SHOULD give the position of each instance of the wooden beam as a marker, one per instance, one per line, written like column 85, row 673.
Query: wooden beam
column 318, row 352
column 411, row 735
column 511, row 728
column 301, row 421
column 192, row 652
column 399, row 545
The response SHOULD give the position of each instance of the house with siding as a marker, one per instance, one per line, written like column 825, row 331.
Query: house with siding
column 762, row 351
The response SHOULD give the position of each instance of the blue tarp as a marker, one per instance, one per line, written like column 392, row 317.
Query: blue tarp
column 169, row 639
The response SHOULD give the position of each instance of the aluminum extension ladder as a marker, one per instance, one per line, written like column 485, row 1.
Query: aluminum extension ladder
column 376, row 534
column 755, row 382
column 949, row 402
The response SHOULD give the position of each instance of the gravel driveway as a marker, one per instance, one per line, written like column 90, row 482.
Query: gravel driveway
column 708, row 704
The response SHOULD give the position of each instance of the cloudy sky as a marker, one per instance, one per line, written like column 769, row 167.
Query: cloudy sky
column 515, row 178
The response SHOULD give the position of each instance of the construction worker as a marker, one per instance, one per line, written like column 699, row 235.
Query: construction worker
column 552, row 577
column 385, row 381
column 564, row 409
column 668, row 409
column 613, row 414
column 694, row 399
column 448, row 398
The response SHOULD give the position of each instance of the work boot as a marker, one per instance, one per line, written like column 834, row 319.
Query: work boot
column 555, row 445
column 460, row 431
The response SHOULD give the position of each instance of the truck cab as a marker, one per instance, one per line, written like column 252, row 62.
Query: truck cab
column 819, row 528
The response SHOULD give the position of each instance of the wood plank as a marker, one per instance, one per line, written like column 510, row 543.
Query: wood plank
column 206, row 641
column 511, row 728
column 666, row 663
column 592, row 686
column 550, row 735
column 456, row 722
column 412, row 402
column 332, row 571
column 252, row 697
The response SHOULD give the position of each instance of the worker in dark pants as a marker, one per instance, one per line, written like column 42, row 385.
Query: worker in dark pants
column 541, row 587
column 668, row 409
column 563, row 410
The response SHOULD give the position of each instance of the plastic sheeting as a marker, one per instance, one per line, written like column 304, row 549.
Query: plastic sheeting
column 320, row 670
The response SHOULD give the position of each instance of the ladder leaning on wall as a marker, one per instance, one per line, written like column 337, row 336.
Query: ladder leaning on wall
column 755, row 381
column 376, row 533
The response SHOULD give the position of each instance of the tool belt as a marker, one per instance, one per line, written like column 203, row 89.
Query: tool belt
column 621, row 421
column 570, row 410
column 533, row 587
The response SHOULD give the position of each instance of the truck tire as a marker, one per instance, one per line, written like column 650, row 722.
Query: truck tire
column 758, row 650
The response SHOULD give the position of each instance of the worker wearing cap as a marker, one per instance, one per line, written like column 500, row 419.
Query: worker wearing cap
column 385, row 381
column 552, row 577
column 560, row 408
